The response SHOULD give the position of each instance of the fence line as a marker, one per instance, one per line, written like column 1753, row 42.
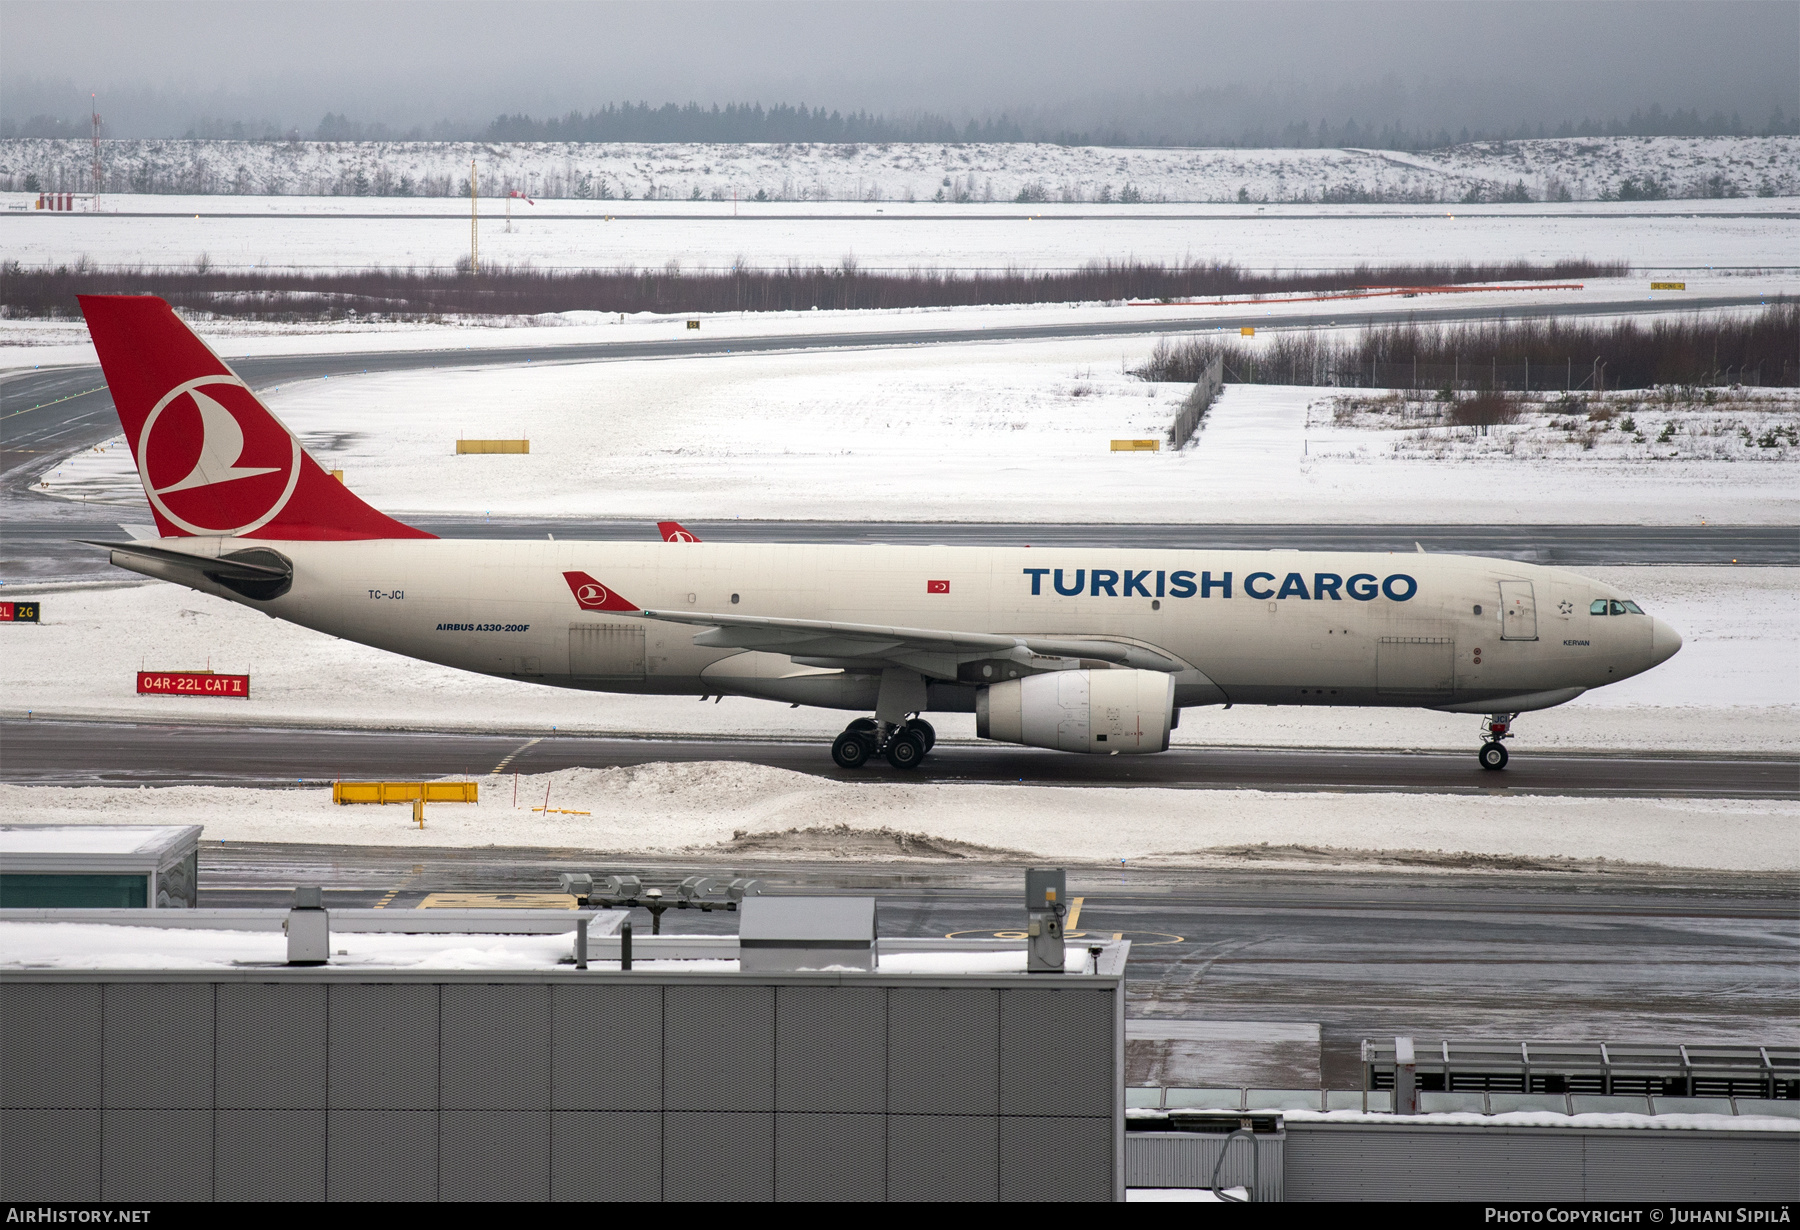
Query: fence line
column 1187, row 419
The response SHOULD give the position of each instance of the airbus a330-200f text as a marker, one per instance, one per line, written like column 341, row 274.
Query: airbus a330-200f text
column 1077, row 649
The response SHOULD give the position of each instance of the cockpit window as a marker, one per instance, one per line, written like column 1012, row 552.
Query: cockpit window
column 1597, row 607
column 1618, row 608
column 1633, row 607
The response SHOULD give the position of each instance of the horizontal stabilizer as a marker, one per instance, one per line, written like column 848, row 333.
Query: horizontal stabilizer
column 221, row 566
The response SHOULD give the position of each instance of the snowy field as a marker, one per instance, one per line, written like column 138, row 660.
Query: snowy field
column 1734, row 687
column 718, row 806
column 1583, row 168
column 336, row 232
column 1642, row 427
column 1010, row 431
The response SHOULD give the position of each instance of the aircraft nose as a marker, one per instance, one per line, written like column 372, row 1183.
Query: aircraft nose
column 1665, row 642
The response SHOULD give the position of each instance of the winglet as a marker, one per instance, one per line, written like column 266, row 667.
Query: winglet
column 590, row 595
column 675, row 531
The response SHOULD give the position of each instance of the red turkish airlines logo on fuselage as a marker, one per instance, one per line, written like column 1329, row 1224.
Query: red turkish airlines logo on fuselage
column 214, row 461
column 590, row 595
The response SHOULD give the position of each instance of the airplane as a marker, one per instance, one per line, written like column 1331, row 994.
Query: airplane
column 1080, row 649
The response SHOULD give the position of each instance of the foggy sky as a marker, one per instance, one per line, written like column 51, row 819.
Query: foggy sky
column 160, row 65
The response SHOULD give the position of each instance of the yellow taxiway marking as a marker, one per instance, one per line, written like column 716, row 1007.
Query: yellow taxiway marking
column 498, row 901
column 1074, row 914
column 508, row 758
column 418, row 870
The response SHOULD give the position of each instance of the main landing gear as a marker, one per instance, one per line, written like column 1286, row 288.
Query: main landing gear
column 903, row 745
column 1496, row 726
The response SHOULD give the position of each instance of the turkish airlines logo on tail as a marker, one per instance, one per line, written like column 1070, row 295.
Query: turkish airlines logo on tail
column 215, row 461
column 675, row 531
column 590, row 595
column 937, row 587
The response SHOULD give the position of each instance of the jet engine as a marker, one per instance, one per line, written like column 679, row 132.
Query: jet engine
column 1101, row 711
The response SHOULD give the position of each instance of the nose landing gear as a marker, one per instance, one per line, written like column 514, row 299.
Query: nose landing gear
column 902, row 745
column 1496, row 726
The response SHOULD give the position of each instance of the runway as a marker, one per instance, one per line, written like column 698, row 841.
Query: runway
column 93, row 753
column 1359, row 954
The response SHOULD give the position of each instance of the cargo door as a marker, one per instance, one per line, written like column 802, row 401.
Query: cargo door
column 1415, row 665
column 1518, row 611
column 606, row 652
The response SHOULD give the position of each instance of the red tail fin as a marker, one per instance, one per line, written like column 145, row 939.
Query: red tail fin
column 213, row 460
column 675, row 531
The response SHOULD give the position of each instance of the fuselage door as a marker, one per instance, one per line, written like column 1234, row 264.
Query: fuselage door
column 606, row 651
column 1518, row 612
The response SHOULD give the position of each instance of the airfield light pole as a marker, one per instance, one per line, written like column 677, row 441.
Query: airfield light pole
column 97, row 173
column 474, row 225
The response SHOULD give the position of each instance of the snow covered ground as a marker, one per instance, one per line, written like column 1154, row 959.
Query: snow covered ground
column 1734, row 687
column 1584, row 168
column 1648, row 428
column 968, row 432
column 714, row 806
column 357, row 233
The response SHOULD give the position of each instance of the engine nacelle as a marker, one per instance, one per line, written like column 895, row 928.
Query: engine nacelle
column 1124, row 711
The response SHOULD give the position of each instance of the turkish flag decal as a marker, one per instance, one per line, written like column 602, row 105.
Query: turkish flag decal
column 937, row 587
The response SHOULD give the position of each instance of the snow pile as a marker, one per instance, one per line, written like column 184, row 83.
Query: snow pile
column 713, row 806
column 1581, row 168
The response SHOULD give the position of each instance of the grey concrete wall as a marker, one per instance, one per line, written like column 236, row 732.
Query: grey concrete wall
column 340, row 1084
column 1326, row 1161
column 1359, row 1161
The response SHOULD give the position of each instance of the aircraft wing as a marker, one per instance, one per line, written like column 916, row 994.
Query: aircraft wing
column 931, row 651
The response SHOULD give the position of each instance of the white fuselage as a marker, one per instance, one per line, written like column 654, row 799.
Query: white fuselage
column 1289, row 627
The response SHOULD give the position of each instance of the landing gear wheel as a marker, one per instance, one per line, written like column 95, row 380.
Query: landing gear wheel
column 850, row 750
column 925, row 731
column 1493, row 755
column 864, row 726
column 905, row 750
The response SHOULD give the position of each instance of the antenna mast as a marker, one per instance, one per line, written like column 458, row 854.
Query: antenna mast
column 97, row 173
column 474, row 225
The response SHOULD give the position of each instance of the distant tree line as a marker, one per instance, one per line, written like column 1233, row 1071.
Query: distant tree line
column 745, row 123
column 1761, row 348
column 27, row 291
